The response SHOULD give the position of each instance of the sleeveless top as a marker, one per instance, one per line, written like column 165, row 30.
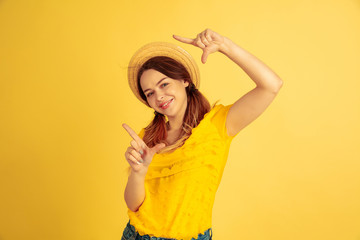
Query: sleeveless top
column 180, row 186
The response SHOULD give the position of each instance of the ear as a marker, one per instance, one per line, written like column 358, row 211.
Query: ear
column 186, row 83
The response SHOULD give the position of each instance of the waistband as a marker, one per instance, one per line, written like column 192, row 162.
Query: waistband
column 130, row 233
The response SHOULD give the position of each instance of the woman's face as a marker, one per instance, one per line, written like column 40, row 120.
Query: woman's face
column 165, row 95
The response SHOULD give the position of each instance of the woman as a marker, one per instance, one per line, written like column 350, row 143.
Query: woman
column 176, row 162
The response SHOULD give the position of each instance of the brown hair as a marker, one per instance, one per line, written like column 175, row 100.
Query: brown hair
column 197, row 104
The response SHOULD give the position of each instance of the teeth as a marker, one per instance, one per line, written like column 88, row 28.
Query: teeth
column 166, row 104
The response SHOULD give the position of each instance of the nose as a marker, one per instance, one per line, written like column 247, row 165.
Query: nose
column 159, row 96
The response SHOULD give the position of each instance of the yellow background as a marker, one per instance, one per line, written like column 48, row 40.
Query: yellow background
column 294, row 173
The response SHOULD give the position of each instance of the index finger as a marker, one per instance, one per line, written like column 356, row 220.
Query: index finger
column 133, row 134
column 184, row 39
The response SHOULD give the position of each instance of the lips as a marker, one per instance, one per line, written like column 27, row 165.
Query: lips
column 166, row 104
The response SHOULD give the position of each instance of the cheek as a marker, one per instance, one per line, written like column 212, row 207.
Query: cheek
column 183, row 93
column 152, row 102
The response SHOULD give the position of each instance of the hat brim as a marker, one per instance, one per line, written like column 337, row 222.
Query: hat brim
column 155, row 49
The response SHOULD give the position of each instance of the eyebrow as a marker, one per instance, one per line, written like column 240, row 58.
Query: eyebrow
column 156, row 84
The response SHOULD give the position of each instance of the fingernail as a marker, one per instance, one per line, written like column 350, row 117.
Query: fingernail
column 137, row 162
column 141, row 161
column 141, row 152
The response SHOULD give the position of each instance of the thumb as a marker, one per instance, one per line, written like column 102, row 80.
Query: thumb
column 158, row 147
column 204, row 56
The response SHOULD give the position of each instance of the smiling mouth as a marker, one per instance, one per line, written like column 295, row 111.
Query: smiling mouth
column 165, row 105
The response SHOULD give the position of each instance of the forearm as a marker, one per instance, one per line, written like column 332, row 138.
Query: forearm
column 261, row 74
column 135, row 191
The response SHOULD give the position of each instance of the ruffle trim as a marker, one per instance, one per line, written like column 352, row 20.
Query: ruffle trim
column 201, row 149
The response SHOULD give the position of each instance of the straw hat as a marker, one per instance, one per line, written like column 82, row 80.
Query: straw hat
column 155, row 49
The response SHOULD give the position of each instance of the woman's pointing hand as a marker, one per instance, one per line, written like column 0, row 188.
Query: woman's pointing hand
column 208, row 40
column 139, row 155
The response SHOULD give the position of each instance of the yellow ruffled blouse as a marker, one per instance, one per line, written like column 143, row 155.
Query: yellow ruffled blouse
column 180, row 186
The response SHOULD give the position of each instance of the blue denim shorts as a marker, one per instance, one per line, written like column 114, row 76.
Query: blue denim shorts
column 130, row 233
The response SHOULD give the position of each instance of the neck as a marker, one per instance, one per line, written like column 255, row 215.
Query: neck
column 175, row 124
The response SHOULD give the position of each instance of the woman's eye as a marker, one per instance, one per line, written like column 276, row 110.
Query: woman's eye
column 149, row 94
column 164, row 84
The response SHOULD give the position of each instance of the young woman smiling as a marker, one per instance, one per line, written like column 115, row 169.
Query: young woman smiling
column 177, row 161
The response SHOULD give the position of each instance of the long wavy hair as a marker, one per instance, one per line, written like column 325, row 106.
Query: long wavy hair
column 197, row 104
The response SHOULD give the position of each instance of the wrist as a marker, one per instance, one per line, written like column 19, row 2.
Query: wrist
column 226, row 46
column 139, row 174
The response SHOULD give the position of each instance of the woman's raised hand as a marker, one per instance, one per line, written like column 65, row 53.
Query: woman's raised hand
column 139, row 155
column 208, row 40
